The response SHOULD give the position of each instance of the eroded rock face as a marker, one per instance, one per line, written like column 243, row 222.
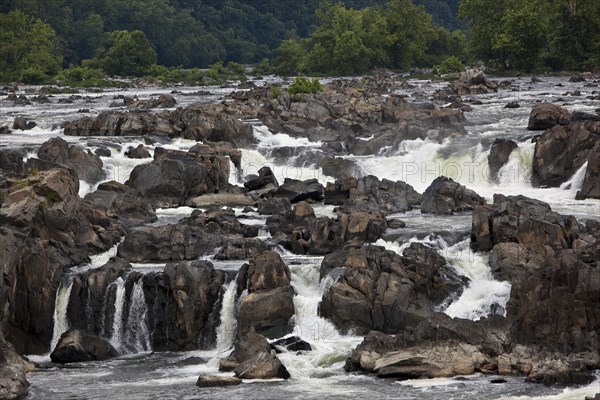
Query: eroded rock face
column 381, row 290
column 499, row 154
column 268, row 305
column 591, row 182
column 562, row 150
column 444, row 196
column 13, row 370
column 122, row 202
column 371, row 194
column 520, row 219
column 87, row 165
column 547, row 115
column 46, row 229
column 77, row 346
column 252, row 359
column 175, row 177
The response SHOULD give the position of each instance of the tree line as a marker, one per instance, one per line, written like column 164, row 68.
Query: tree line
column 134, row 37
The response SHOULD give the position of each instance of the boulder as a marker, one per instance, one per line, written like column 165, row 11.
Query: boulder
column 499, row 154
column 137, row 152
column 268, row 305
column 274, row 205
column 371, row 194
column 296, row 190
column 591, row 183
column 195, row 288
column 265, row 177
column 87, row 165
column 252, row 358
column 13, row 373
column 23, row 124
column 162, row 101
column 175, row 177
column 77, row 346
column 292, row 343
column 444, row 196
column 562, row 150
column 205, row 381
column 381, row 290
column 262, row 366
column 519, row 219
column 547, row 115
column 121, row 202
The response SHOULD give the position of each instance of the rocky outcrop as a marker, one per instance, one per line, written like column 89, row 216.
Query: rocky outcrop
column 371, row 194
column 381, row 290
column 265, row 177
column 499, row 154
column 46, row 228
column 195, row 289
column 162, row 101
column 121, row 202
column 591, row 182
column 200, row 122
column 562, row 150
column 268, row 305
column 77, row 346
column 296, row 190
column 175, row 177
column 252, row 359
column 13, row 373
column 444, row 196
column 189, row 239
column 87, row 165
column 23, row 124
column 137, row 152
column 473, row 81
column 547, row 115
column 519, row 219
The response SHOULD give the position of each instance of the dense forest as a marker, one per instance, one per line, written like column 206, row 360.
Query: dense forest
column 128, row 37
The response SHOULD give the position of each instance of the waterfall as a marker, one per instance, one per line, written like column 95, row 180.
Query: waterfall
column 226, row 330
column 61, row 303
column 484, row 295
column 137, row 336
column 116, row 334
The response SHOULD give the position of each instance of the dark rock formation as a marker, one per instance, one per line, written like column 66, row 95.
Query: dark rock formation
column 252, row 359
column 175, row 177
column 188, row 240
column 87, row 165
column 46, row 228
column 371, row 194
column 296, row 190
column 77, row 346
column 200, row 122
column 122, row 202
column 547, row 115
column 523, row 220
column 499, row 155
column 591, row 182
column 473, row 81
column 444, row 196
column 380, row 290
column 195, row 288
column 23, row 124
column 268, row 305
column 265, row 177
column 13, row 370
column 138, row 152
column 292, row 343
column 562, row 150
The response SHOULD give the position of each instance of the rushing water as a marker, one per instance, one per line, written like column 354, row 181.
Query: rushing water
column 142, row 374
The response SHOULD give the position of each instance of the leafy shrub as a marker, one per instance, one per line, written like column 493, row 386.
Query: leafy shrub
column 450, row 64
column 83, row 77
column 34, row 76
column 303, row 85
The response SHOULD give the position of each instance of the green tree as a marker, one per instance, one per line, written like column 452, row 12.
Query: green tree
column 412, row 31
column 126, row 53
column 290, row 57
column 29, row 49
